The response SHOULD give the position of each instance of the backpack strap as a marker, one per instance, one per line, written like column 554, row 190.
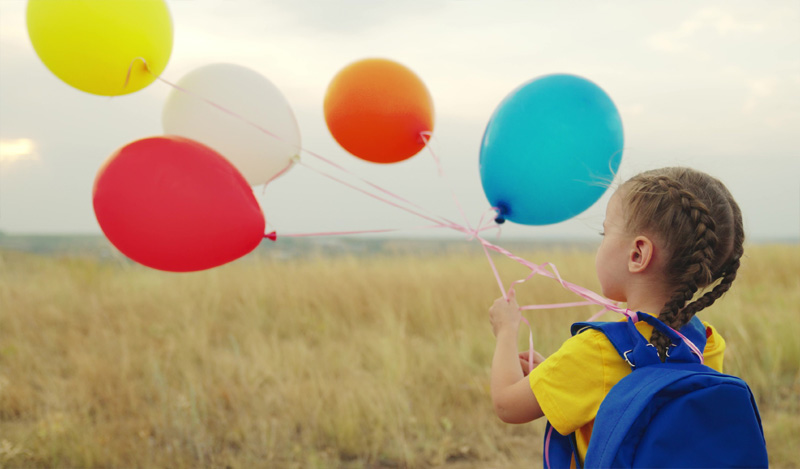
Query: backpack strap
column 638, row 352
column 559, row 450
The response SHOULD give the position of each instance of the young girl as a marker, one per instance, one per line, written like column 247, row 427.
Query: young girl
column 667, row 233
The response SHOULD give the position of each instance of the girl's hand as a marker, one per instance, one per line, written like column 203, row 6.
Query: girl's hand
column 514, row 402
column 505, row 315
column 523, row 361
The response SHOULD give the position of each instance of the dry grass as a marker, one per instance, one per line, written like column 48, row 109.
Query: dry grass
column 323, row 362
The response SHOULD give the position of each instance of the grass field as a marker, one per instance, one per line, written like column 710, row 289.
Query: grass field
column 338, row 361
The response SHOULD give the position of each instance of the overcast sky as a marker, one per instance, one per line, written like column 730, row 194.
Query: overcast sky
column 710, row 84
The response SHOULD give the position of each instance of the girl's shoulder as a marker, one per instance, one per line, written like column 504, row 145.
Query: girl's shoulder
column 594, row 341
column 590, row 351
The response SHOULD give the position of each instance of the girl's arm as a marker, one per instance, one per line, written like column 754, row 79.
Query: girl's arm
column 512, row 396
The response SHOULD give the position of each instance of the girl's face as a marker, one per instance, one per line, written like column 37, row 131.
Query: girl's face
column 611, row 261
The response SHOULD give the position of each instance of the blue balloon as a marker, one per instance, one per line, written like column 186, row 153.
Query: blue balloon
column 550, row 150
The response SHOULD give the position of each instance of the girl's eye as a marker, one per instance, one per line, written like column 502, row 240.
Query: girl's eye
column 602, row 233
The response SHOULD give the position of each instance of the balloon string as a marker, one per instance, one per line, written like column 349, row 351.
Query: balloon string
column 442, row 222
column 530, row 343
column 340, row 233
column 316, row 155
column 267, row 132
column 553, row 273
column 130, row 70
column 280, row 173
column 558, row 305
column 505, row 297
column 437, row 223
column 597, row 315
column 426, row 137
column 591, row 297
column 210, row 103
column 491, row 223
column 373, row 185
column 334, row 178
column 335, row 233
column 496, row 273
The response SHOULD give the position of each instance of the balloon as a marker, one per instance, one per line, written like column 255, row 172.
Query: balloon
column 376, row 109
column 550, row 150
column 92, row 44
column 174, row 204
column 250, row 96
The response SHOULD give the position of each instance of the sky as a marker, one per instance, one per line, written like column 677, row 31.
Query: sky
column 714, row 85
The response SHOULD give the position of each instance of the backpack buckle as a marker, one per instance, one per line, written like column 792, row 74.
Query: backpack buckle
column 625, row 356
column 628, row 360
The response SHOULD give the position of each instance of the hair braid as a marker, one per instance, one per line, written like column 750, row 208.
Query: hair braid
column 699, row 229
column 729, row 270
column 695, row 260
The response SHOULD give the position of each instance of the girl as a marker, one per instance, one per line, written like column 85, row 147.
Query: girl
column 667, row 233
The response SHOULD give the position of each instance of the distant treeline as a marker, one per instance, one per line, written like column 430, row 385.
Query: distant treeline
column 99, row 246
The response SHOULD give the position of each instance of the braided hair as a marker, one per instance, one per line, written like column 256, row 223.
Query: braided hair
column 700, row 225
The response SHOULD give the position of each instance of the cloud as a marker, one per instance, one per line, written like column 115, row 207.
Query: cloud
column 707, row 20
column 760, row 89
column 19, row 149
column 12, row 30
column 354, row 17
column 774, row 102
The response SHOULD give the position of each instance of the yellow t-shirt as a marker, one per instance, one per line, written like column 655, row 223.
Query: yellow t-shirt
column 571, row 383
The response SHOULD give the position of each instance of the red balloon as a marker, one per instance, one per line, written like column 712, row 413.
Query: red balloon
column 174, row 204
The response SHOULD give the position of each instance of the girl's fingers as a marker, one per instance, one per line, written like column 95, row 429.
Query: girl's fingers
column 524, row 365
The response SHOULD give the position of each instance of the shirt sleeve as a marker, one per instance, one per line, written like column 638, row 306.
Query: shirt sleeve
column 569, row 385
column 715, row 348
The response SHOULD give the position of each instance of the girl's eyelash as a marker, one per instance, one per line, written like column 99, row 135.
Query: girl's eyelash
column 602, row 233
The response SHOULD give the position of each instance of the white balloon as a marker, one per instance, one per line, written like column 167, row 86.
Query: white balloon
column 246, row 93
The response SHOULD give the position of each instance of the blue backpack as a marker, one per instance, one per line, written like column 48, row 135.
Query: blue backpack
column 677, row 414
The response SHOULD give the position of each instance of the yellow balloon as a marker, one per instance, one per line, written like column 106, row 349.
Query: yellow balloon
column 96, row 45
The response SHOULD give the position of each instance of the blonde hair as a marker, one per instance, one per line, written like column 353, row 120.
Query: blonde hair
column 700, row 224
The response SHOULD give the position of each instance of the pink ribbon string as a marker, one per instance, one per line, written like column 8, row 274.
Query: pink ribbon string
column 334, row 233
column 558, row 305
column 304, row 150
column 692, row 346
column 585, row 293
column 353, row 232
column 490, row 224
column 375, row 196
column 597, row 315
column 426, row 137
column 496, row 273
column 280, row 173
column 530, row 343
column 547, row 269
column 370, row 184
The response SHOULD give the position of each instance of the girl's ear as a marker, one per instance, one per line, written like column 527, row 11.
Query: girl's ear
column 641, row 254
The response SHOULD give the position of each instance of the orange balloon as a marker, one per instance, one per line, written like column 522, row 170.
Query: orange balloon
column 376, row 110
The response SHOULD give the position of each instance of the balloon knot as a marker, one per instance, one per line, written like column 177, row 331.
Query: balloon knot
column 271, row 236
column 502, row 210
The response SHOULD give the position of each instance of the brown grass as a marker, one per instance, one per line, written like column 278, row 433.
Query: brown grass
column 322, row 362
